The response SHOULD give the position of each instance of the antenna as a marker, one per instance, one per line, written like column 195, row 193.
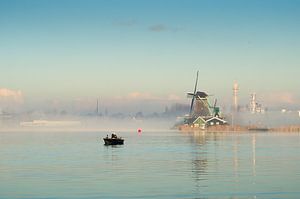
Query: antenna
column 97, row 109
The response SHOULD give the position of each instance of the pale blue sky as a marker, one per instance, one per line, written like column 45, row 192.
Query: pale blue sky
column 72, row 49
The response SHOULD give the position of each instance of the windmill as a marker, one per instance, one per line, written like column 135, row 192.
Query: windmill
column 199, row 104
column 202, row 114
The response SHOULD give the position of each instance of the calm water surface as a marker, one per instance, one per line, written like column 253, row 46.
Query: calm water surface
column 166, row 164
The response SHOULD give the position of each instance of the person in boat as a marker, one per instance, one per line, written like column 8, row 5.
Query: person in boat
column 106, row 136
column 113, row 135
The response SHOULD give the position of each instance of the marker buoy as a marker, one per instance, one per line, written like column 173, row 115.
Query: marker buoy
column 139, row 130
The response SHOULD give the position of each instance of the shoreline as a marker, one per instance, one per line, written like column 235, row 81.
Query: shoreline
column 241, row 129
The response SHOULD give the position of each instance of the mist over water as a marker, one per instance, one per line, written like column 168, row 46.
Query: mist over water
column 121, row 123
column 86, row 123
column 268, row 119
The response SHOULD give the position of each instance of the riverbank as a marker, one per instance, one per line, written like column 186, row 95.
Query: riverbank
column 238, row 128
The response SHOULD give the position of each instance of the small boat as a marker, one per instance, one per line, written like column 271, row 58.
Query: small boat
column 113, row 140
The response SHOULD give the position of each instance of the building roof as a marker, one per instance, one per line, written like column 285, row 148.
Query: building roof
column 216, row 118
column 201, row 118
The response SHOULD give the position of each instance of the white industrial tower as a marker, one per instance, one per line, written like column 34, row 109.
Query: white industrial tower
column 235, row 92
column 253, row 103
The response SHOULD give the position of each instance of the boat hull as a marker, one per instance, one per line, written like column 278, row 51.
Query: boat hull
column 113, row 141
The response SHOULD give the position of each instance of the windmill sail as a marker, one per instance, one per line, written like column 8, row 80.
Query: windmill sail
column 194, row 94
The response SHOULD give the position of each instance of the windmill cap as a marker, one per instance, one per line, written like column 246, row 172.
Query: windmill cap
column 201, row 94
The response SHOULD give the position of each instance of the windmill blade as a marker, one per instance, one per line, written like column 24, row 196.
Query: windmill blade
column 190, row 95
column 192, row 104
column 195, row 89
column 215, row 103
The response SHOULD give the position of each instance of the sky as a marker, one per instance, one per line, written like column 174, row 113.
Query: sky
column 148, row 51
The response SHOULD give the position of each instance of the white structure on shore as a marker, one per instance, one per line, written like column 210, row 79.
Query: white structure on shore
column 254, row 106
column 235, row 97
column 253, row 103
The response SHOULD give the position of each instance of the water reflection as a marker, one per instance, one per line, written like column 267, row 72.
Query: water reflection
column 197, row 137
column 112, row 153
column 198, row 140
column 254, row 154
column 235, row 159
column 213, row 153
